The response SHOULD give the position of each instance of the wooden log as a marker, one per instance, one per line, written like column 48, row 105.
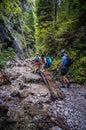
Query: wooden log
column 54, row 89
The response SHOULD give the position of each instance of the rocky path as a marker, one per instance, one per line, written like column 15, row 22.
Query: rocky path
column 25, row 103
column 74, row 107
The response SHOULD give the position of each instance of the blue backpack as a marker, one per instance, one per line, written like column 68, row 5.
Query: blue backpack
column 69, row 61
column 48, row 59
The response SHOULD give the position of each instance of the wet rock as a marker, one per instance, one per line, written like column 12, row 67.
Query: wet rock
column 23, row 85
column 18, row 82
column 24, row 93
column 3, row 106
column 8, row 98
column 11, row 63
column 18, row 64
column 66, row 113
column 60, row 102
column 56, row 128
column 16, row 114
column 15, row 93
column 30, row 77
column 84, row 96
column 12, row 74
column 4, row 94
column 24, row 63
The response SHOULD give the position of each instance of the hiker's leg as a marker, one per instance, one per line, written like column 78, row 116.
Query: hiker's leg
column 47, row 74
column 63, row 82
column 65, row 79
column 46, row 71
column 46, row 68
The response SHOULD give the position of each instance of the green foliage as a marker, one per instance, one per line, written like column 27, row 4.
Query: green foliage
column 45, row 38
column 44, row 11
column 27, row 27
column 79, row 74
column 59, row 24
column 55, row 63
column 66, row 32
column 6, row 55
column 18, row 19
column 11, row 9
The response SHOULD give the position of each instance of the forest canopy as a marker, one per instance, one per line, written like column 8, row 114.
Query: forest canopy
column 50, row 26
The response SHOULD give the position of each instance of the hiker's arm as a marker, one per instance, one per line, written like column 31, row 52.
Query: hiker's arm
column 60, row 65
column 45, row 60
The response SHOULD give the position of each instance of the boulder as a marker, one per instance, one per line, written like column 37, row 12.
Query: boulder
column 30, row 77
column 24, row 93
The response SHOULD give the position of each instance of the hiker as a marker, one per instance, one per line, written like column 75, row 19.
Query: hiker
column 64, row 69
column 37, row 62
column 47, row 61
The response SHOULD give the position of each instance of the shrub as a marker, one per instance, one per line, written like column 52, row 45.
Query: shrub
column 6, row 55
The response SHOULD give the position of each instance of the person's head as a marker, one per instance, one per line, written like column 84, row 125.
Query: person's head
column 63, row 52
column 42, row 56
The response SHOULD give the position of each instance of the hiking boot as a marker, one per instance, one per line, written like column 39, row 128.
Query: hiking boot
column 68, row 85
column 62, row 86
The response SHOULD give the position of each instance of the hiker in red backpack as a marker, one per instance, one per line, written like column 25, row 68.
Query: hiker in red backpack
column 64, row 66
column 37, row 63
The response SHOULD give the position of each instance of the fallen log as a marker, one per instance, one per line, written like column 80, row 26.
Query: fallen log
column 54, row 89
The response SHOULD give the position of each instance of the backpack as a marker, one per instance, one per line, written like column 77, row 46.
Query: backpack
column 48, row 59
column 69, row 61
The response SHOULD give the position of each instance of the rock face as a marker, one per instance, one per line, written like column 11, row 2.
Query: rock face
column 18, row 49
column 11, row 32
column 4, row 34
column 7, row 40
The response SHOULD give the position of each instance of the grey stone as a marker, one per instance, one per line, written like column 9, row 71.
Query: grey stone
column 56, row 128
column 30, row 77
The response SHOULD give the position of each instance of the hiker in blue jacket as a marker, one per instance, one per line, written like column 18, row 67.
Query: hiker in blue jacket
column 64, row 69
column 47, row 61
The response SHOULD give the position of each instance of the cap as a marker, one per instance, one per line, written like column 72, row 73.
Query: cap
column 62, row 51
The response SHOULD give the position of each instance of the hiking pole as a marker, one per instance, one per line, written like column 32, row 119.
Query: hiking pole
column 56, row 72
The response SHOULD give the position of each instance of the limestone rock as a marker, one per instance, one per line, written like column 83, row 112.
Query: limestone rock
column 30, row 77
